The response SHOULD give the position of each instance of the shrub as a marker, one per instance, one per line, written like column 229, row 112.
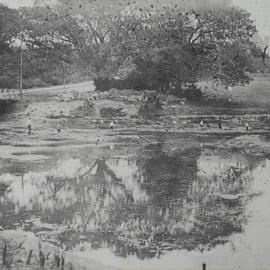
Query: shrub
column 102, row 84
column 150, row 107
column 192, row 93
column 32, row 83
column 111, row 112
column 134, row 81
column 7, row 82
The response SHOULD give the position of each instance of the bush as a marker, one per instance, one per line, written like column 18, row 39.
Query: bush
column 7, row 82
column 111, row 112
column 32, row 83
column 150, row 107
column 139, row 82
column 192, row 93
column 133, row 81
column 102, row 84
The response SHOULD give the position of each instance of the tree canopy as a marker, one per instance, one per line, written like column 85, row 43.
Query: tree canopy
column 167, row 44
column 178, row 42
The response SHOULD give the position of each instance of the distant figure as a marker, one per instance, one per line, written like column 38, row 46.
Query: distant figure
column 201, row 123
column 111, row 125
column 101, row 121
column 59, row 129
column 219, row 124
column 247, row 126
column 29, row 126
column 97, row 142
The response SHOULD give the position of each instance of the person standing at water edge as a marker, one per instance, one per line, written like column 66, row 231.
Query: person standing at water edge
column 29, row 125
column 247, row 126
column 59, row 129
column 219, row 124
column 111, row 125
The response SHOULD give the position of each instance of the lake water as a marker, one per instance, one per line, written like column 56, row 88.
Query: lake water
column 173, row 204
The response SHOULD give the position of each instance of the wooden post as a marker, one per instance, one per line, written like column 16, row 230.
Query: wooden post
column 21, row 54
column 21, row 69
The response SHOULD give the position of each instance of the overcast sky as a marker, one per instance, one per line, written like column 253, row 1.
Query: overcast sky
column 260, row 10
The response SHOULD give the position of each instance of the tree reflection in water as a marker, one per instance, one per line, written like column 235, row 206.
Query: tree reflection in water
column 143, row 205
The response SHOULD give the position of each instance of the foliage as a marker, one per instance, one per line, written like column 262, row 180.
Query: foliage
column 8, row 27
column 7, row 82
column 188, row 91
column 166, row 44
column 46, row 60
column 216, row 46
column 160, row 46
column 150, row 107
column 111, row 112
column 133, row 81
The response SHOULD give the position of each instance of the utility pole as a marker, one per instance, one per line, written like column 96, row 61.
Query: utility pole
column 21, row 55
column 21, row 68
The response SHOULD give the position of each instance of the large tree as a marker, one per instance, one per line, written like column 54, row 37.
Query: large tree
column 168, row 45
column 48, row 56
column 186, row 47
column 176, row 43
column 9, row 31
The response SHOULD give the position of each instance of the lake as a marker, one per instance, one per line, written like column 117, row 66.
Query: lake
column 176, row 203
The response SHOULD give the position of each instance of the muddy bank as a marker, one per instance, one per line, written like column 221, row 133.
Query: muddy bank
column 85, row 116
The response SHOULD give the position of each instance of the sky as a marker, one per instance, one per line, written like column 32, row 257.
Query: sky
column 259, row 9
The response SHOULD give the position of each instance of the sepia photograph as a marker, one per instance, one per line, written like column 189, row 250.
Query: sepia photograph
column 134, row 134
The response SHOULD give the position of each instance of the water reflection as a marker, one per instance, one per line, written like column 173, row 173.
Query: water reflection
column 144, row 205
